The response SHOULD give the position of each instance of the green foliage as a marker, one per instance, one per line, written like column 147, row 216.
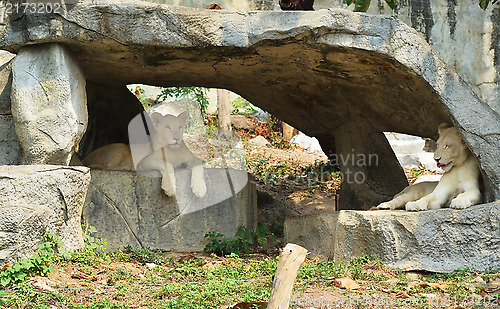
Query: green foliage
column 361, row 5
column 484, row 4
column 240, row 245
column 242, row 107
column 145, row 101
column 276, row 138
column 199, row 94
column 145, row 255
column 391, row 4
column 38, row 264
column 92, row 251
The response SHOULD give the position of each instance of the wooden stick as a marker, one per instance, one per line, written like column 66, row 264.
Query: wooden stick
column 291, row 257
column 287, row 131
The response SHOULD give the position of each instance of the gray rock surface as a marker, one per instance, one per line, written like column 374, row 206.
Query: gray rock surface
column 48, row 103
column 314, row 70
column 437, row 240
column 9, row 146
column 128, row 209
column 60, row 189
column 22, row 230
column 370, row 172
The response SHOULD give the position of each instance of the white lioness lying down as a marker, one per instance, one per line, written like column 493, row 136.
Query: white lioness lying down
column 168, row 152
column 459, row 186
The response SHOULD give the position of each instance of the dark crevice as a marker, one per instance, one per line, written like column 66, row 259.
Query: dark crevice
column 421, row 18
column 452, row 17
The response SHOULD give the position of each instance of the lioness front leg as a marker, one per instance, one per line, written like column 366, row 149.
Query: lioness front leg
column 466, row 199
column 168, row 180
column 409, row 194
column 435, row 200
column 198, row 181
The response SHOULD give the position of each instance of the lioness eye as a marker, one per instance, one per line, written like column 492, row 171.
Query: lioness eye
column 168, row 127
column 446, row 146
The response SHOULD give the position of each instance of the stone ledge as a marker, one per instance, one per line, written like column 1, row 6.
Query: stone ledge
column 437, row 240
column 129, row 209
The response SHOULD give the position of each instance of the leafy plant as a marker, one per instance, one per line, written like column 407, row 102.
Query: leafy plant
column 244, row 239
column 38, row 264
column 484, row 4
column 363, row 5
column 146, row 255
column 242, row 107
column 199, row 94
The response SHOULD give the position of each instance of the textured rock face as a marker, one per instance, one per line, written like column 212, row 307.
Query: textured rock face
column 437, row 240
column 314, row 70
column 9, row 146
column 22, row 230
column 40, row 190
column 48, row 104
column 128, row 209
column 464, row 36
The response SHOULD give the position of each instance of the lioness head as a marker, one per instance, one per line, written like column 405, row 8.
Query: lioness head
column 169, row 129
column 451, row 150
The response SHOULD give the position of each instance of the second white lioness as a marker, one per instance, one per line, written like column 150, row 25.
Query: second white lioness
column 459, row 186
column 166, row 152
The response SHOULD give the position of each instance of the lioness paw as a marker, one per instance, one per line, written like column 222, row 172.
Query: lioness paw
column 384, row 206
column 199, row 188
column 460, row 203
column 416, row 205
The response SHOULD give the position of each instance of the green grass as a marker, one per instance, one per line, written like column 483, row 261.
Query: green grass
column 123, row 280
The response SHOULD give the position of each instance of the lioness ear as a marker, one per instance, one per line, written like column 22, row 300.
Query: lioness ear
column 156, row 117
column 183, row 116
column 443, row 126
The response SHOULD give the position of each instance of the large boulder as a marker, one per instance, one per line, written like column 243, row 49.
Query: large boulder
column 48, row 103
column 131, row 210
column 436, row 240
column 52, row 195
column 315, row 70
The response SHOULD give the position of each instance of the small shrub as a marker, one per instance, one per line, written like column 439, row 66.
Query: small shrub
column 38, row 264
column 240, row 245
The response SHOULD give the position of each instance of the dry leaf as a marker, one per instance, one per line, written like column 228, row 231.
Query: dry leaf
column 437, row 286
column 402, row 295
column 373, row 208
column 83, row 276
column 346, row 283
column 5, row 267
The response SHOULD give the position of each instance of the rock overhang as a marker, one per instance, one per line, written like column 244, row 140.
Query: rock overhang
column 301, row 60
column 314, row 70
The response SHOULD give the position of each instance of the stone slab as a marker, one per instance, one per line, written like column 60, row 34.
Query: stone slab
column 129, row 209
column 436, row 240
